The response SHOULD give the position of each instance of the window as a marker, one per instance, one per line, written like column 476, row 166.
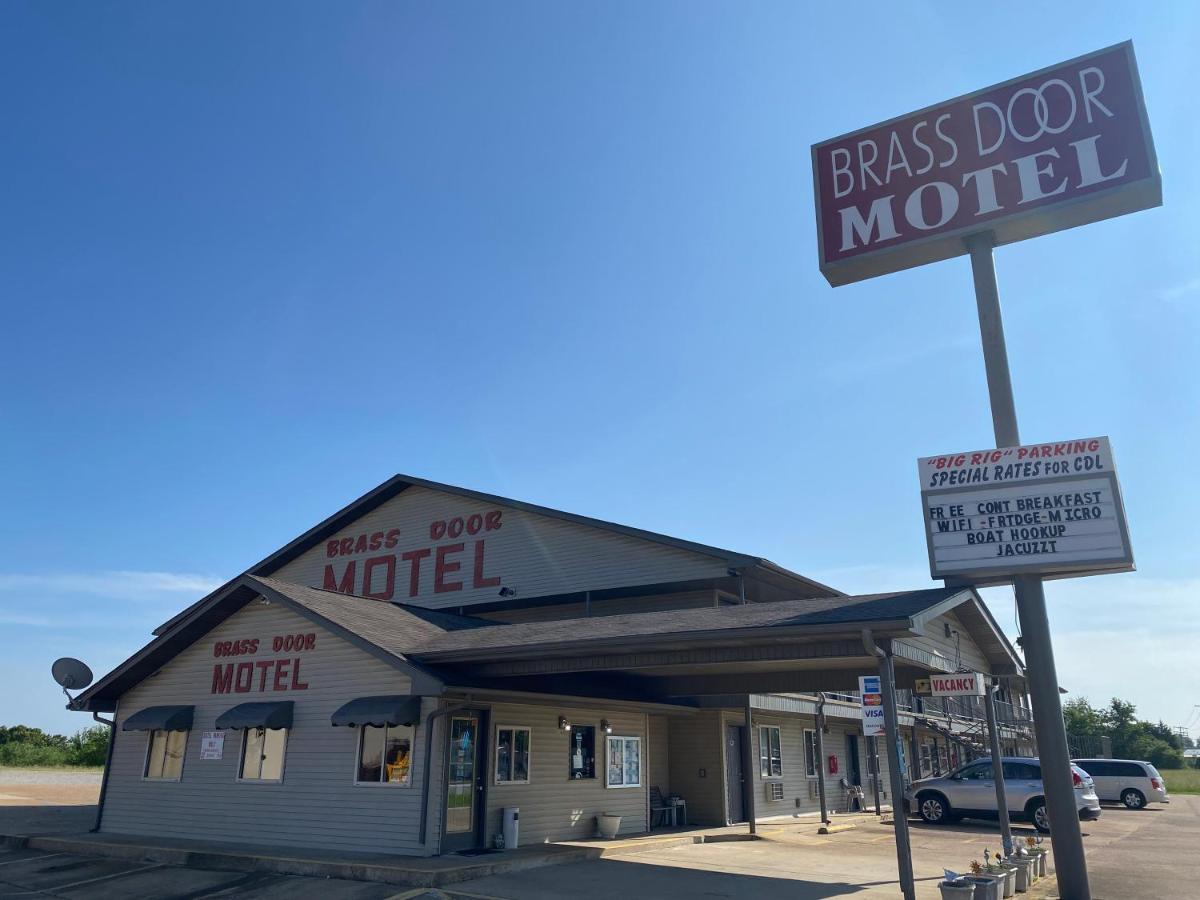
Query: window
column 512, row 754
column 926, row 760
column 770, row 758
column 164, row 756
column 811, row 759
column 384, row 754
column 582, row 763
column 1128, row 770
column 981, row 772
column 1014, row 771
column 262, row 754
column 624, row 762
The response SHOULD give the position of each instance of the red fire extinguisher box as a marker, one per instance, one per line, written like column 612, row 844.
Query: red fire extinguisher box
column 833, row 765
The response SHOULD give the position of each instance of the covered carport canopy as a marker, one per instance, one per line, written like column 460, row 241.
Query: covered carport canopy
column 788, row 646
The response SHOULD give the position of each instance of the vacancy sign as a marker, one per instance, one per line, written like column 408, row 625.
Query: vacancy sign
column 872, row 705
column 962, row 684
column 1050, row 509
column 1060, row 147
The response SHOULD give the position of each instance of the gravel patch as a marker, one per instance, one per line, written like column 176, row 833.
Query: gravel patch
column 48, row 776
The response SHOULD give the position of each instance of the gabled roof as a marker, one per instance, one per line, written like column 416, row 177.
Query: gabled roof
column 399, row 483
column 380, row 629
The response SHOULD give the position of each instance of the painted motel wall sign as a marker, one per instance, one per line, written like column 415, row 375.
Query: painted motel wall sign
column 961, row 684
column 1054, row 149
column 1051, row 509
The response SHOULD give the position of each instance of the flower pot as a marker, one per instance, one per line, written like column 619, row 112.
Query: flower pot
column 1024, row 877
column 987, row 887
column 1040, row 856
column 608, row 825
column 1009, row 874
column 956, row 890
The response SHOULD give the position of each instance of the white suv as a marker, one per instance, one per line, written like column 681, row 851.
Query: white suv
column 971, row 792
column 1127, row 781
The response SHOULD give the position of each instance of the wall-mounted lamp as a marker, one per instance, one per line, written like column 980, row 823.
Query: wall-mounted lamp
column 606, row 726
column 507, row 592
column 563, row 724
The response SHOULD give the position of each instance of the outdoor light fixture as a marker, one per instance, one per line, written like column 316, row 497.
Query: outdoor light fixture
column 507, row 592
column 606, row 726
column 563, row 724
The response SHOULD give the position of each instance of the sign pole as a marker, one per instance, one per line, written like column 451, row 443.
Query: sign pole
column 1066, row 836
column 989, row 703
column 899, row 819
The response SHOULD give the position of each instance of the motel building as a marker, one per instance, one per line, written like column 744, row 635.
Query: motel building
column 395, row 678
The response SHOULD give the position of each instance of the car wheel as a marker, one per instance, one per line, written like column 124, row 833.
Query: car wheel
column 934, row 809
column 1036, row 810
column 1133, row 799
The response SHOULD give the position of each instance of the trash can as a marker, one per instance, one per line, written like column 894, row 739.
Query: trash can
column 511, row 822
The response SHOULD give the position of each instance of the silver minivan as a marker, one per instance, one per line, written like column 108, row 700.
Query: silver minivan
column 1132, row 782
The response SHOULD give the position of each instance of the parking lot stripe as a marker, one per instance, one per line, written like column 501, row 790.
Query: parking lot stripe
column 74, row 884
column 13, row 862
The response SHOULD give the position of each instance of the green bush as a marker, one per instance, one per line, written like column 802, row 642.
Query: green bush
column 14, row 754
column 89, row 747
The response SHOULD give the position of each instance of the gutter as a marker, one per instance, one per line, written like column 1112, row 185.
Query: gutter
column 112, row 739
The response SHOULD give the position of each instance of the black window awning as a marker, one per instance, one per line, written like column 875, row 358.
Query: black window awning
column 257, row 715
column 395, row 709
column 160, row 718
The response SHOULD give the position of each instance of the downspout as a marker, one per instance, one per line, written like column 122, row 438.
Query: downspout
column 436, row 714
column 112, row 738
column 821, row 756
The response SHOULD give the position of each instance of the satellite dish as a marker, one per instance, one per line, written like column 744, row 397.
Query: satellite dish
column 71, row 673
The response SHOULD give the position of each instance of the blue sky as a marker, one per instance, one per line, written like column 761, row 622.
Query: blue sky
column 257, row 258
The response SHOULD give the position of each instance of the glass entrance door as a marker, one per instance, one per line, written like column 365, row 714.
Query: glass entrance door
column 465, row 781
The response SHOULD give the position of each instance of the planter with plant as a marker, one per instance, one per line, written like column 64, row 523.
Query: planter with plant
column 608, row 825
column 1038, row 853
column 1001, row 869
column 957, row 889
column 1024, row 866
column 987, row 887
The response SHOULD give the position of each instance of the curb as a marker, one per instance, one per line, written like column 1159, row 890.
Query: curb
column 284, row 865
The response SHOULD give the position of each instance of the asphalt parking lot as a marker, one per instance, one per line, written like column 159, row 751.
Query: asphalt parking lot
column 1147, row 853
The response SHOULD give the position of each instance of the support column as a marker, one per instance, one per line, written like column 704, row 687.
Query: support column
column 989, row 703
column 821, row 757
column 748, row 797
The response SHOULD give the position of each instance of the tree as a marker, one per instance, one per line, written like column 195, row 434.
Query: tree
column 89, row 747
column 1081, row 718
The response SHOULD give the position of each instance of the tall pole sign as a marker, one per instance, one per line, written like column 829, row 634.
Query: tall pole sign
column 1064, row 146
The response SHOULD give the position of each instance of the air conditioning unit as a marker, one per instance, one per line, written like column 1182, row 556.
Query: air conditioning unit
column 774, row 791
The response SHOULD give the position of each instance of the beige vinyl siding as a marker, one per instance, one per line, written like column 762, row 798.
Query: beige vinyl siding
column 934, row 640
column 533, row 554
column 697, row 765
column 660, row 754
column 615, row 607
column 317, row 804
column 801, row 794
column 555, row 807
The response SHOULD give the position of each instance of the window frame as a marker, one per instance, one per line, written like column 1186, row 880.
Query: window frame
column 811, row 733
column 146, row 776
column 577, row 729
column 625, row 739
column 769, row 759
column 241, row 779
column 362, row 736
column 496, row 780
